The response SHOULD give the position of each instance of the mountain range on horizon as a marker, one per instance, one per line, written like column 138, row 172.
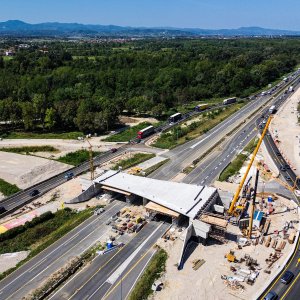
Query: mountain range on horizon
column 20, row 28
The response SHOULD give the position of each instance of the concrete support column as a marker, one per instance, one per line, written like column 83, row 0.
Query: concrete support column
column 145, row 201
column 130, row 199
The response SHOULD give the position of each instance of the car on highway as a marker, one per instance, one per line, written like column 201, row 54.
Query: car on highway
column 278, row 153
column 282, row 168
column 271, row 296
column 287, row 277
column 34, row 193
column 69, row 175
column 288, row 178
column 2, row 210
column 287, row 166
column 113, row 150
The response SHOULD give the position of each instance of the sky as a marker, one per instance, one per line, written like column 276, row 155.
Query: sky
column 209, row 14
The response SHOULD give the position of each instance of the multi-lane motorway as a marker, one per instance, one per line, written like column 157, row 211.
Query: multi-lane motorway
column 33, row 273
column 40, row 267
column 95, row 280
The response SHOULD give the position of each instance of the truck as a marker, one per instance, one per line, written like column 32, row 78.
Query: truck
column 174, row 118
column 201, row 107
column 145, row 132
column 229, row 101
column 272, row 109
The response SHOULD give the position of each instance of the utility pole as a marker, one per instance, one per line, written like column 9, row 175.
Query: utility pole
column 91, row 160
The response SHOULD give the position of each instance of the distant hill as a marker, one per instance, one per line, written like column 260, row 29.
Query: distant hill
column 20, row 28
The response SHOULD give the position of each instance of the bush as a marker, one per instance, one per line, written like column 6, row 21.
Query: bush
column 8, row 189
column 30, row 149
column 23, row 237
column 76, row 158
column 130, row 162
column 156, row 267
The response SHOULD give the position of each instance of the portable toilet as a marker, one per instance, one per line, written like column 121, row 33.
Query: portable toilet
column 257, row 218
column 109, row 244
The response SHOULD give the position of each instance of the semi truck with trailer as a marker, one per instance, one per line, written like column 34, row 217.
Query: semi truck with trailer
column 229, row 101
column 145, row 132
column 201, row 107
column 174, row 118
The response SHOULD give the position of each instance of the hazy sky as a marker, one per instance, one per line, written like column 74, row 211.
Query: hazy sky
column 281, row 14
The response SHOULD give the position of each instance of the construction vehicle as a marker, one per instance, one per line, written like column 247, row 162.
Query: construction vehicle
column 232, row 209
column 230, row 256
column 253, row 196
column 135, row 170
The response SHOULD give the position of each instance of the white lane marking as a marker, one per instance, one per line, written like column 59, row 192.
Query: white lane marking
column 114, row 276
column 57, row 247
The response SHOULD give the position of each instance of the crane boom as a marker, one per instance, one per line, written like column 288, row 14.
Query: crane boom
column 236, row 196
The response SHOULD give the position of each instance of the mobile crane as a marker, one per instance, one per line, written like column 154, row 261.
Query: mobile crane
column 232, row 208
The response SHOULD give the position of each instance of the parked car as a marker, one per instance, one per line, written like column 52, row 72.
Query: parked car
column 2, row 210
column 271, row 296
column 34, row 193
column 287, row 277
column 278, row 153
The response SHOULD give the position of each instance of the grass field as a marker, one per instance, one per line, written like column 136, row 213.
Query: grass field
column 8, row 189
column 238, row 162
column 30, row 149
column 153, row 271
column 128, row 134
column 150, row 170
column 132, row 161
column 181, row 133
column 73, row 135
column 77, row 157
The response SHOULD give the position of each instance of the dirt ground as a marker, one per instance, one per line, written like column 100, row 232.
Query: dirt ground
column 206, row 282
column 63, row 146
column 131, row 121
column 285, row 128
column 9, row 260
column 26, row 170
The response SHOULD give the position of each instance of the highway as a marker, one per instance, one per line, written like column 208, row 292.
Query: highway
column 187, row 152
column 23, row 197
column 210, row 168
column 96, row 279
column 30, row 275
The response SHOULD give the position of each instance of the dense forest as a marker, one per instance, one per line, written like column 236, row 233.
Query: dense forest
column 85, row 86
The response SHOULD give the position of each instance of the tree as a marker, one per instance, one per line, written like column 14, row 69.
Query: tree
column 28, row 113
column 50, row 118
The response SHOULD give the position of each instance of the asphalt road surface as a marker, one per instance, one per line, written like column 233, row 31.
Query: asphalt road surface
column 95, row 280
column 18, row 200
column 30, row 275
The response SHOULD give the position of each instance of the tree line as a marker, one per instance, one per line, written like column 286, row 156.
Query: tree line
column 86, row 86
